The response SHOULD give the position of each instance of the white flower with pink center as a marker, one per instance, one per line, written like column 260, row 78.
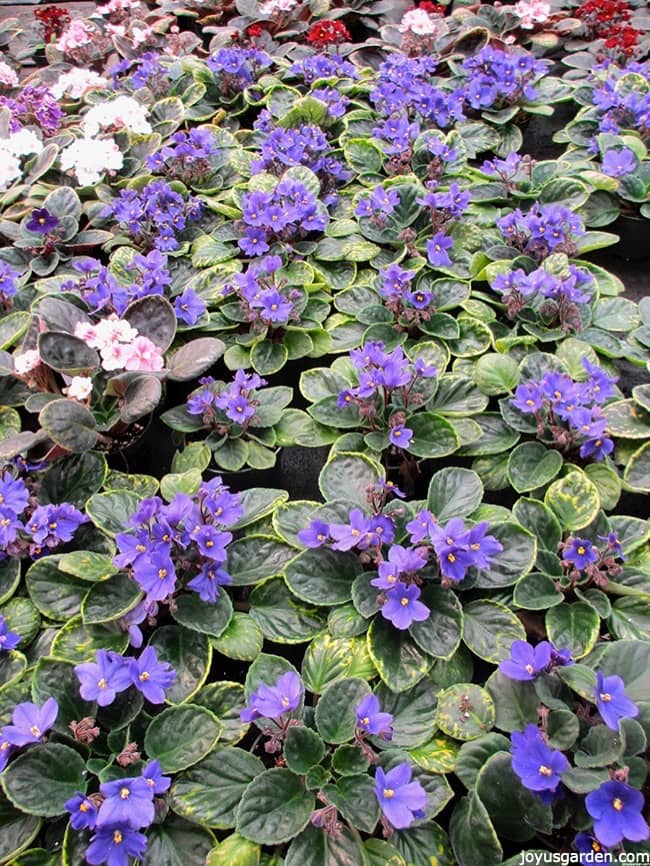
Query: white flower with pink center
column 145, row 355
column 419, row 22
column 75, row 35
column 115, row 356
column 76, row 82
column 532, row 12
column 25, row 362
column 8, row 76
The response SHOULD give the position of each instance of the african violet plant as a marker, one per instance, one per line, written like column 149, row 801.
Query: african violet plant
column 440, row 650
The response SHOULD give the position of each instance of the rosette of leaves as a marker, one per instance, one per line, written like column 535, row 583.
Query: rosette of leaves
column 108, row 417
column 60, row 209
column 232, row 446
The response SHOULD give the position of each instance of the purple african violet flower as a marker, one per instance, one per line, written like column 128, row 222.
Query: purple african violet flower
column 371, row 720
column 102, row 679
column 8, row 639
column 208, row 581
column 153, row 776
column 272, row 702
column 151, row 677
column 538, row 766
column 402, row 607
column 42, row 222
column 14, row 494
column 30, row 722
column 526, row 662
column 437, row 248
column 315, row 535
column 128, row 801
column 580, row 552
column 612, row 702
column 83, row 812
column 616, row 810
column 189, row 307
column 400, row 799
column 115, row 846
column 400, row 436
column 617, row 163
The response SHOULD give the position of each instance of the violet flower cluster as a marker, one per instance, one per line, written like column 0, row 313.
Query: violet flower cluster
column 167, row 544
column 29, row 528
column 558, row 297
column 187, row 156
column 116, row 815
column 221, row 406
column 544, row 229
column 237, row 68
column 380, row 373
column 153, row 216
column 111, row 673
column 619, row 105
column 527, row 662
column 570, row 410
column 276, row 701
column 263, row 298
column 288, row 213
column 33, row 104
column 9, row 278
column 29, row 724
column 317, row 66
column 9, row 640
column 600, row 564
column 498, row 78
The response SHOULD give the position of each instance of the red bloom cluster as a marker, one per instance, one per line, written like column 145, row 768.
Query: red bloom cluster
column 53, row 20
column 623, row 39
column 327, row 33
column 254, row 30
column 431, row 8
column 600, row 16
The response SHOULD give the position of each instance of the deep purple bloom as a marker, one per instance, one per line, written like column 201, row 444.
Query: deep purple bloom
column 83, row 812
column 30, row 722
column 13, row 493
column 128, row 801
column 6, row 749
column 8, row 280
column 586, row 843
column 150, row 676
column 437, row 248
column 526, row 662
column 315, row 535
column 42, row 222
column 616, row 810
column 50, row 525
column 401, row 800
column 153, row 775
column 115, row 846
column 538, row 766
column 212, row 542
column 402, row 607
column 272, row 702
column 156, row 576
column 371, row 720
column 528, row 398
column 580, row 552
column 189, row 307
column 401, row 560
column 612, row 702
column 102, row 679
column 8, row 639
column 208, row 581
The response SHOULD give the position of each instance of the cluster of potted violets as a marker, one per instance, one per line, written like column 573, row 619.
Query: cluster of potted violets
column 324, row 433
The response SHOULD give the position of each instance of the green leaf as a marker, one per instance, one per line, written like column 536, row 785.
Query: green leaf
column 55, row 679
column 42, row 779
column 256, row 558
column 575, row 626
column 433, row 435
column 66, row 353
column 177, row 843
column 55, row 594
column 303, row 749
column 281, row 617
column 69, row 424
column 515, row 560
column 413, row 711
column 582, row 781
column 9, row 578
column 197, row 615
column 241, row 640
column 472, row 834
column 326, row 659
column 189, row 654
column 615, row 314
column 335, row 714
column 625, row 418
column 398, row 659
column 537, row 518
column 259, row 502
column 441, row 633
column 490, row 628
column 87, row 565
column 496, row 437
column 181, row 736
column 153, row 317
column 454, row 492
column 574, row 500
column 515, row 812
column 536, row 591
column 637, row 471
column 323, row 576
column 274, row 808
column 629, row 660
column 496, row 374
column 234, row 851
column 599, row 748
column 79, row 643
column 266, row 669
column 465, row 711
column 531, row 465
column 516, row 703
column 110, row 599
column 226, row 701
column 111, row 510
column 16, row 831
column 194, row 358
column 314, row 847
column 436, row 756
column 347, row 476
column 210, row 791
column 426, row 845
column 474, row 754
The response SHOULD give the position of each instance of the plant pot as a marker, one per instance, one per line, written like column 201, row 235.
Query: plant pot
column 634, row 237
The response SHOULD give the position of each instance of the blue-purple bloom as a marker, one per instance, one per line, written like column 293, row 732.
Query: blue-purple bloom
column 273, row 702
column 400, row 436
column 153, row 776
column 372, row 721
column 30, row 722
column 102, row 679
column 8, row 639
column 402, row 606
column 50, row 525
column 208, row 581
column 401, row 800
column 539, row 767
column 189, row 307
column 612, row 702
column 115, row 845
column 128, row 801
column 317, row 534
column 526, row 662
column 13, row 493
column 619, row 162
column 83, row 812
column 8, row 280
column 151, row 677
column 580, row 552
column 616, row 810
column 437, row 248
column 42, row 222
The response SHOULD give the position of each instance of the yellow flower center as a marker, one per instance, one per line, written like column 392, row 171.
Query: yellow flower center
column 124, row 793
column 144, row 676
column 162, row 573
column 403, row 601
column 388, row 793
column 117, row 837
column 529, row 669
column 606, row 697
column 83, row 807
column 545, row 771
column 365, row 720
column 581, row 550
column 618, row 804
column 102, row 684
column 451, row 557
column 35, row 731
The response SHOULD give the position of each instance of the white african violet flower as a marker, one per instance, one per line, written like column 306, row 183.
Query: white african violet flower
column 76, row 34
column 90, row 158
column 25, row 362
column 76, row 82
column 80, row 388
column 9, row 169
column 123, row 112
column 7, row 75
column 419, row 22
column 105, row 333
column 532, row 12
column 18, row 144
column 272, row 7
